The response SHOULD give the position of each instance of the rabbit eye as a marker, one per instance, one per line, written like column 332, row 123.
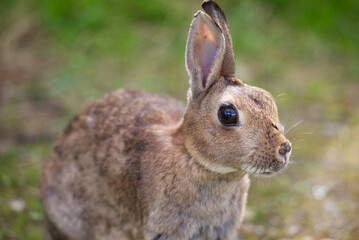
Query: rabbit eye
column 227, row 115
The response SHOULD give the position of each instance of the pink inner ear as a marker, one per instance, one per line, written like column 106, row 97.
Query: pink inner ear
column 206, row 51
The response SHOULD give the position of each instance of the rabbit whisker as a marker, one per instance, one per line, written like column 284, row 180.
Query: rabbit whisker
column 294, row 125
column 280, row 95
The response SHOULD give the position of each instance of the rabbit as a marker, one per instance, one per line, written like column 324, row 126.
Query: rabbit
column 140, row 165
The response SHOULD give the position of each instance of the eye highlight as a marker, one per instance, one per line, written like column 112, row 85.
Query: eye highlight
column 228, row 115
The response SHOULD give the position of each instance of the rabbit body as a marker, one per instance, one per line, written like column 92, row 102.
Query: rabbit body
column 106, row 179
column 139, row 165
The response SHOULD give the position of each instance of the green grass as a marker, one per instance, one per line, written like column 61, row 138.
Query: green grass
column 19, row 181
column 58, row 55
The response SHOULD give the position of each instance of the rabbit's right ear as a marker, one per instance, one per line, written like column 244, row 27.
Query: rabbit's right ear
column 216, row 13
column 204, row 53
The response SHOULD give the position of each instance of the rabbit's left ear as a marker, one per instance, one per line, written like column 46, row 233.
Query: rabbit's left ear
column 204, row 53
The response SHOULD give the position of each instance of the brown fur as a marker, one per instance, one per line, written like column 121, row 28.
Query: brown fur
column 139, row 165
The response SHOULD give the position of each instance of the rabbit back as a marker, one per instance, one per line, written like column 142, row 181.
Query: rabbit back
column 90, row 186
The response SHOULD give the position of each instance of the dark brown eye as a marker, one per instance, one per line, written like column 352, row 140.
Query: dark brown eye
column 227, row 115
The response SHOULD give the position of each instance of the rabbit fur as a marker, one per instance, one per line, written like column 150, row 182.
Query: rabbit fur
column 140, row 165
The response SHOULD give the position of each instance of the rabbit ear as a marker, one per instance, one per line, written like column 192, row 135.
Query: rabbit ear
column 204, row 52
column 216, row 13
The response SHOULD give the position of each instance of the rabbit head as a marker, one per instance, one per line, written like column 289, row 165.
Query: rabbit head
column 229, row 126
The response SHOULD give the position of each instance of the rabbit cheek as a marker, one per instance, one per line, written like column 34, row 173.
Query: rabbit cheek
column 264, row 159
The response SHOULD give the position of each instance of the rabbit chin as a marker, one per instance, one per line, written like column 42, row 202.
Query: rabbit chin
column 261, row 172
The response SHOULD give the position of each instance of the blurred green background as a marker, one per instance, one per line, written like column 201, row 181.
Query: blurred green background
column 58, row 55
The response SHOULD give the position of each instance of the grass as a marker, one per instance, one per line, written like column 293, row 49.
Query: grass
column 56, row 56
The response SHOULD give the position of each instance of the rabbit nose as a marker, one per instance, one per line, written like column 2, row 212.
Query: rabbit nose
column 284, row 149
